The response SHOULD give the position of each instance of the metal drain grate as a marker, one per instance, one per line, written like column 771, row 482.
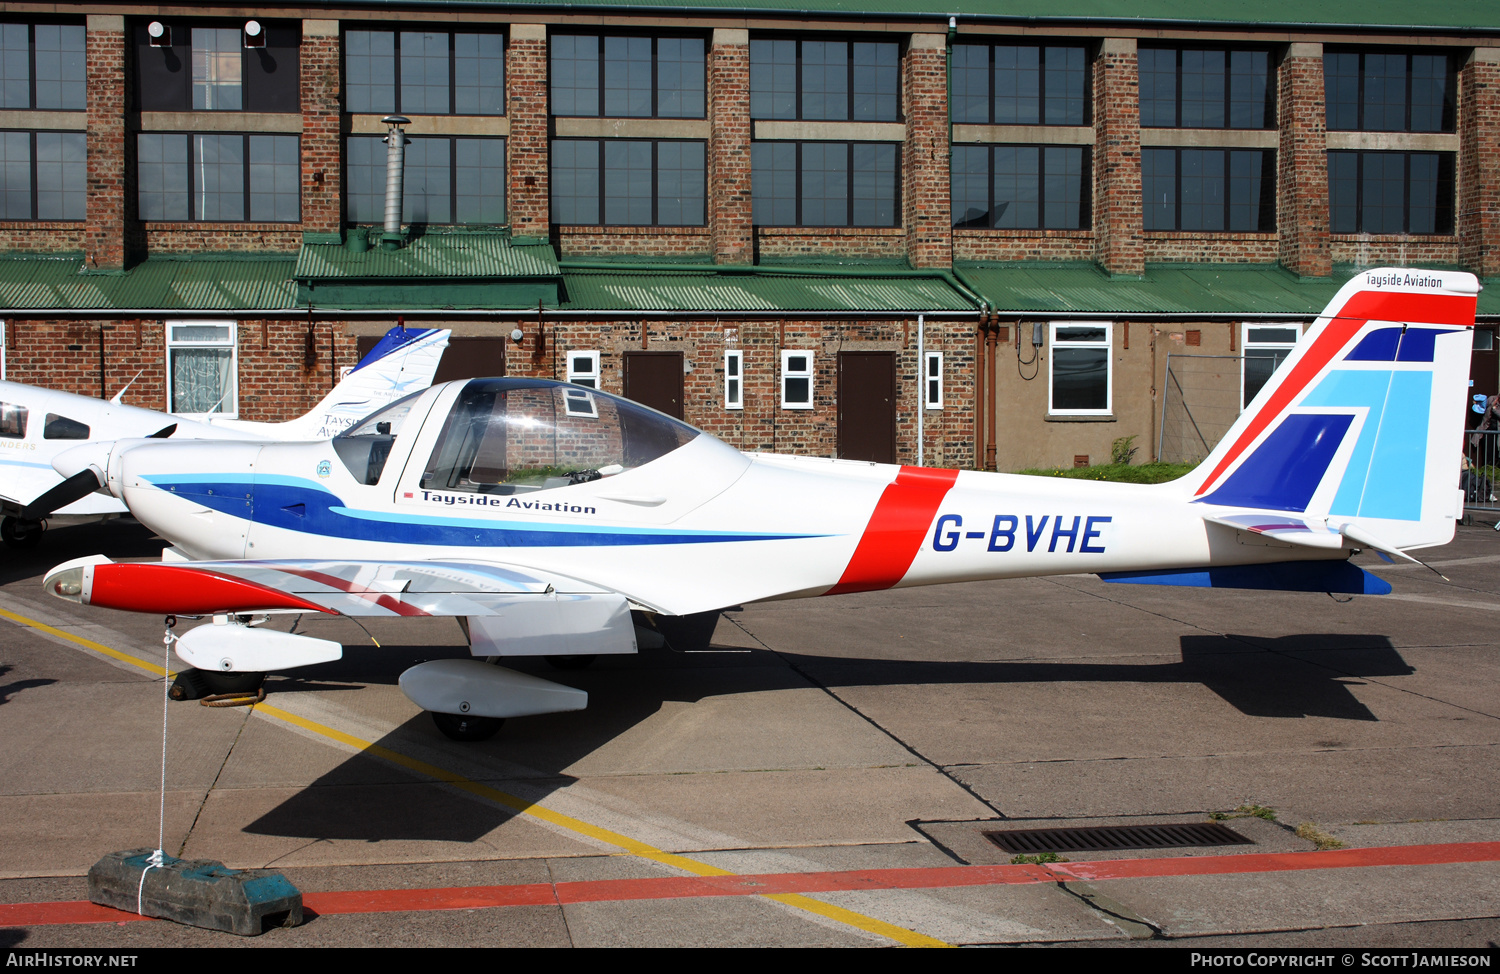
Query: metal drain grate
column 1106, row 838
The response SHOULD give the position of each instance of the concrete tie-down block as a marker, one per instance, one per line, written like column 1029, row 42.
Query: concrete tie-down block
column 198, row 892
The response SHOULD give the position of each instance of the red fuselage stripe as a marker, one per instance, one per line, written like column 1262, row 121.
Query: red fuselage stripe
column 896, row 530
column 1435, row 309
column 181, row 589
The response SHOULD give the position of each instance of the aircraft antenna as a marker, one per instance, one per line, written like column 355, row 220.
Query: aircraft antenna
column 121, row 394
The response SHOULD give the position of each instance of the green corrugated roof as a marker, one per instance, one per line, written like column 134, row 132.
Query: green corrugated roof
column 1168, row 289
column 1213, row 289
column 1451, row 14
column 199, row 283
column 459, row 255
column 709, row 290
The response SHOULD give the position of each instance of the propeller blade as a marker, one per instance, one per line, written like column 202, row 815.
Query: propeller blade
column 163, row 433
column 76, row 487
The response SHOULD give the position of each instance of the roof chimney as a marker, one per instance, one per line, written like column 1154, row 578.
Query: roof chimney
column 395, row 168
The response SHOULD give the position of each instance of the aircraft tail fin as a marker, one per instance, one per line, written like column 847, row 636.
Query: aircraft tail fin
column 404, row 361
column 1357, row 438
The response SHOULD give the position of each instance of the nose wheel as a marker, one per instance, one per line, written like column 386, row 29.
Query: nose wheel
column 462, row 727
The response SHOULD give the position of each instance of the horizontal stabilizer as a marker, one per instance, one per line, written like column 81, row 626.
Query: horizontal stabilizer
column 1338, row 577
column 1280, row 526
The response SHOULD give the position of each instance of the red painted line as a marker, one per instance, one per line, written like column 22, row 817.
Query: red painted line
column 181, row 589
column 1436, row 309
column 77, row 911
column 418, row 900
column 686, row 887
column 1270, row 862
column 896, row 530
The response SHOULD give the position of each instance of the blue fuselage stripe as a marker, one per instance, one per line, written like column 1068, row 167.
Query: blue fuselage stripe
column 312, row 509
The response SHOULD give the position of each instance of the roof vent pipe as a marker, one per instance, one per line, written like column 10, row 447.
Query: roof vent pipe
column 395, row 168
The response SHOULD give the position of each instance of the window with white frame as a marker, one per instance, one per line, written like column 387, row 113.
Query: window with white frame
column 579, row 402
column 932, row 375
column 1266, row 347
column 734, row 379
column 1079, row 377
column 583, row 369
column 202, row 368
column 796, row 380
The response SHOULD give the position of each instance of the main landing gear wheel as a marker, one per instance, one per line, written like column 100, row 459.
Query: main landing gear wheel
column 17, row 533
column 219, row 682
column 462, row 727
column 571, row 662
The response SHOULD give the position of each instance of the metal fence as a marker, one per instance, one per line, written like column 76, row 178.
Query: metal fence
column 1201, row 400
column 1480, row 477
column 1199, row 403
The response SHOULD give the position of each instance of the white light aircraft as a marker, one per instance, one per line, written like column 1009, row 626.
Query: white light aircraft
column 545, row 514
column 38, row 424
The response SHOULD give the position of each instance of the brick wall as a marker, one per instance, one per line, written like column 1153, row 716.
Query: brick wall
column 926, row 202
column 1302, row 164
column 199, row 238
column 1478, row 154
column 1226, row 248
column 275, row 383
column 111, row 188
column 1398, row 250
column 322, row 143
column 830, row 242
column 1023, row 245
column 576, row 241
column 729, row 147
column 762, row 424
column 1118, row 245
column 64, row 355
column 526, row 150
column 44, row 237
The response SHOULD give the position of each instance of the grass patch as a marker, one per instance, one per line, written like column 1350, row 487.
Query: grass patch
column 1039, row 859
column 1123, row 473
column 1321, row 840
column 1245, row 811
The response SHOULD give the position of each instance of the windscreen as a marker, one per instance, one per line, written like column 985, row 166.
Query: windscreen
column 506, row 436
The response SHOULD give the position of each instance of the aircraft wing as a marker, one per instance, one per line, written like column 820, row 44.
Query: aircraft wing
column 349, row 588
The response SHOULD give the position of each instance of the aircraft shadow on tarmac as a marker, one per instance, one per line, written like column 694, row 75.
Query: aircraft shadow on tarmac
column 367, row 799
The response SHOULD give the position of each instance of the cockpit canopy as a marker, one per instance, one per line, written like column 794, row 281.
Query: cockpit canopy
column 505, row 436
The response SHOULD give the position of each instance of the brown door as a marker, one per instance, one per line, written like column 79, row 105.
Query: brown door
column 464, row 358
column 655, row 379
column 867, row 406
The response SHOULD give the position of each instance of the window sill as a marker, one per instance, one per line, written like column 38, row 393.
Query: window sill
column 1394, row 237
column 1079, row 419
column 1021, row 232
column 631, row 128
column 1185, row 138
column 1215, row 234
column 233, row 122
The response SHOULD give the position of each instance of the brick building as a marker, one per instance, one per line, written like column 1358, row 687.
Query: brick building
column 809, row 232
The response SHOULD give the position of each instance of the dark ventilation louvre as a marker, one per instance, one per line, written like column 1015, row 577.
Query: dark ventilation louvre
column 1117, row 837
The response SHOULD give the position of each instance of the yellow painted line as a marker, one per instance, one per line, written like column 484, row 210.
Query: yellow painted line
column 85, row 643
column 635, row 847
